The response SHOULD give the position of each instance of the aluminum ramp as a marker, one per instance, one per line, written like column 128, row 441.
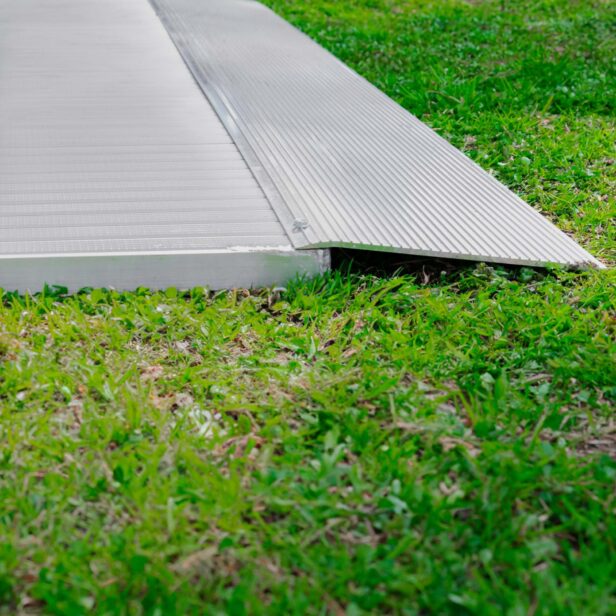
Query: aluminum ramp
column 122, row 165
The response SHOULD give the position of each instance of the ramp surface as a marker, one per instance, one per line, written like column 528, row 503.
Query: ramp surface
column 114, row 168
column 354, row 168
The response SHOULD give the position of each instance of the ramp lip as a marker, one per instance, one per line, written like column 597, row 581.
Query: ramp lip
column 125, row 271
column 582, row 265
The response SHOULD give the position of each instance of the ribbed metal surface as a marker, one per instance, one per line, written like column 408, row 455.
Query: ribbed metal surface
column 108, row 145
column 353, row 167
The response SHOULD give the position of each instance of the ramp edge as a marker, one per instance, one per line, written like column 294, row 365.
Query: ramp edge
column 236, row 267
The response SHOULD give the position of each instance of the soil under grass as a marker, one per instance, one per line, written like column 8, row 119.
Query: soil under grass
column 437, row 440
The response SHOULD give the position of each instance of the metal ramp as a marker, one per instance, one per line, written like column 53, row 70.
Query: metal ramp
column 117, row 169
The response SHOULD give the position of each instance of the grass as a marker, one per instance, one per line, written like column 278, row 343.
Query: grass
column 418, row 442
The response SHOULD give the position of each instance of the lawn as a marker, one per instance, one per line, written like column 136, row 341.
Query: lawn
column 433, row 440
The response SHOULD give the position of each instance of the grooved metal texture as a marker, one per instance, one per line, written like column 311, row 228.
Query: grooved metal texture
column 108, row 145
column 353, row 167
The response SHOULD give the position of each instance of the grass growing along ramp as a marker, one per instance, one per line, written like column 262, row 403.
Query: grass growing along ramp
column 406, row 443
column 357, row 443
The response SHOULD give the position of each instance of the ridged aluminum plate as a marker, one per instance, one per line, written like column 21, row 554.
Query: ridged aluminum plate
column 352, row 166
column 107, row 143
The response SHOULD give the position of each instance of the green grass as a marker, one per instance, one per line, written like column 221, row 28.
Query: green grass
column 406, row 443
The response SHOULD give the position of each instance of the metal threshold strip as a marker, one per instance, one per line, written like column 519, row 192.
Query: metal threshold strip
column 351, row 166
